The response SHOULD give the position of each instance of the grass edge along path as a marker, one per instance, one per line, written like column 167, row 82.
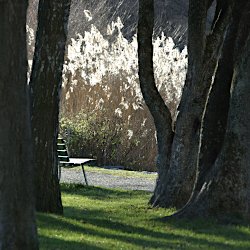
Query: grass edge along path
column 118, row 172
column 98, row 218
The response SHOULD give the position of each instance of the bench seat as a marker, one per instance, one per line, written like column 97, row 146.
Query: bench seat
column 77, row 161
column 65, row 161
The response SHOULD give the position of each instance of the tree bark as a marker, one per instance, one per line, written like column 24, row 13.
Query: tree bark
column 215, row 117
column 224, row 190
column 204, row 51
column 46, row 80
column 17, row 215
column 158, row 109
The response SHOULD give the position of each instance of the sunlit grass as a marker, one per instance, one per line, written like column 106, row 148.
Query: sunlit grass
column 99, row 218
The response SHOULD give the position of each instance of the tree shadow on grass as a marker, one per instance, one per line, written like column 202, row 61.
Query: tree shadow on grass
column 52, row 243
column 213, row 228
column 57, row 223
column 115, row 230
column 199, row 227
column 99, row 193
column 179, row 234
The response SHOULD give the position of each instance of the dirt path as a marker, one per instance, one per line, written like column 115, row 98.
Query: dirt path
column 108, row 180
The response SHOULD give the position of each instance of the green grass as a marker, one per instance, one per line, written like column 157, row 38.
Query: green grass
column 99, row 218
column 118, row 172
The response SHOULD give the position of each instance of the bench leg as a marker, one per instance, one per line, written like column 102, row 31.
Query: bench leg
column 59, row 172
column 84, row 174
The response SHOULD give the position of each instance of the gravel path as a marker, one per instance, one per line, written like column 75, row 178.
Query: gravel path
column 108, row 180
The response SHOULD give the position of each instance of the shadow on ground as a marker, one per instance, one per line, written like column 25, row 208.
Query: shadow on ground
column 91, row 226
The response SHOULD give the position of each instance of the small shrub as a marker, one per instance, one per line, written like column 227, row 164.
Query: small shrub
column 105, row 138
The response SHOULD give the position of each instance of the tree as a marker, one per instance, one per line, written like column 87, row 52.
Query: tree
column 46, row 80
column 17, row 217
column 203, row 55
column 222, row 187
column 155, row 103
column 216, row 115
column 177, row 173
column 212, row 129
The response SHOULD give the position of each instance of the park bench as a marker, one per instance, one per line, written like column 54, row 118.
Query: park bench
column 65, row 161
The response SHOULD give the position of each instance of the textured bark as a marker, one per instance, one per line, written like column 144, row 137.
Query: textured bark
column 152, row 97
column 224, row 189
column 46, row 79
column 17, row 217
column 216, row 115
column 204, row 51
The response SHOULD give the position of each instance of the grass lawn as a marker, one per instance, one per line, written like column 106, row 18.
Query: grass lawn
column 99, row 218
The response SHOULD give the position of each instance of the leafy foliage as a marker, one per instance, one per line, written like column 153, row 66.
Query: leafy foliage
column 90, row 135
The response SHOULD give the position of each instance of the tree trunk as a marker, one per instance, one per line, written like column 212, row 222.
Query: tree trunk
column 46, row 80
column 215, row 118
column 203, row 52
column 17, row 215
column 224, row 190
column 152, row 97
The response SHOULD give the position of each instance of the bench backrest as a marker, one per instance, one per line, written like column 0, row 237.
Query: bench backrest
column 62, row 151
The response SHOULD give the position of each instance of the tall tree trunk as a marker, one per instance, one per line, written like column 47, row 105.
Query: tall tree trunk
column 46, row 80
column 203, row 52
column 215, row 117
column 224, row 190
column 152, row 97
column 17, row 213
